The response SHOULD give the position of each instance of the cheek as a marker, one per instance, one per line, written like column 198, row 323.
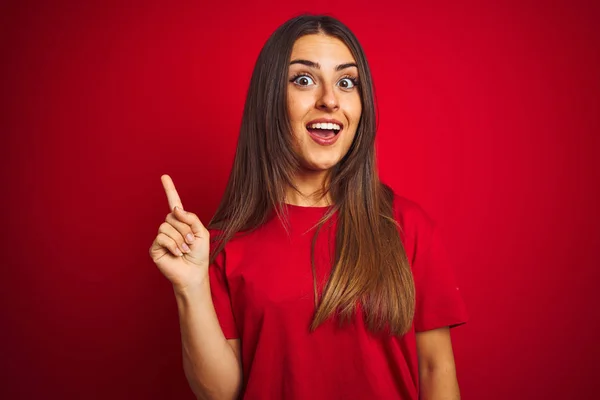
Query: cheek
column 356, row 111
column 298, row 106
column 352, row 107
column 354, row 116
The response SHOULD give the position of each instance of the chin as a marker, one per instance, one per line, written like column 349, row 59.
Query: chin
column 319, row 166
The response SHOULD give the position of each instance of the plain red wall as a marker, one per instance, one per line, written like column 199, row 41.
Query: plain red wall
column 488, row 119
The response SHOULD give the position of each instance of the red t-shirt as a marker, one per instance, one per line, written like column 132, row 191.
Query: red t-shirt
column 262, row 289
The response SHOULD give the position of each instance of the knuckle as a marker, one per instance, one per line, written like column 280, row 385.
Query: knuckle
column 163, row 227
column 172, row 219
column 166, row 241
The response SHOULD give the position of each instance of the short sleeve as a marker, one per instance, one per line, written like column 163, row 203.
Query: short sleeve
column 221, row 298
column 439, row 302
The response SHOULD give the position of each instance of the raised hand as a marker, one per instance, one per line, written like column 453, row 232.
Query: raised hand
column 181, row 248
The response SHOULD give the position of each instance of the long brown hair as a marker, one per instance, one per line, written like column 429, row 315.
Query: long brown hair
column 370, row 264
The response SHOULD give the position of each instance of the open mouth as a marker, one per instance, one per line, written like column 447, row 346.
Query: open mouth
column 325, row 130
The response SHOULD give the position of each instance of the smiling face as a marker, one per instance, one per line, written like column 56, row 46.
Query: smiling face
column 323, row 100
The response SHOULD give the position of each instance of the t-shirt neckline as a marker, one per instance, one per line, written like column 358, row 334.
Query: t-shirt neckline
column 294, row 206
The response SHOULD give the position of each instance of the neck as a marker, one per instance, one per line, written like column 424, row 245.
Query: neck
column 310, row 185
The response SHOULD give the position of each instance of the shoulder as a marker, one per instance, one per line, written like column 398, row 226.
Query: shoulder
column 415, row 226
column 411, row 216
column 237, row 245
column 217, row 258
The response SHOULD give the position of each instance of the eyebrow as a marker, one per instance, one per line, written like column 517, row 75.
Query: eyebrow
column 316, row 65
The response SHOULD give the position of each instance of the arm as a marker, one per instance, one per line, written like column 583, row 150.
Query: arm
column 437, row 372
column 211, row 363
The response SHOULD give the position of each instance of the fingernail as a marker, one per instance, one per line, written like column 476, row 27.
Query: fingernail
column 189, row 237
column 185, row 248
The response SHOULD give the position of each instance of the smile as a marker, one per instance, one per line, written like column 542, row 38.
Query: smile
column 324, row 132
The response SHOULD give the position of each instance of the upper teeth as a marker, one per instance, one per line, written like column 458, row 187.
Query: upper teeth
column 325, row 125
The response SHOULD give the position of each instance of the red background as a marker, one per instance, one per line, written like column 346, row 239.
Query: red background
column 488, row 119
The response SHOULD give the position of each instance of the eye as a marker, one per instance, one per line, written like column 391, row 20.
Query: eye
column 348, row 82
column 302, row 80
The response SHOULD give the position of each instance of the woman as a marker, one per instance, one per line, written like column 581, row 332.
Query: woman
column 320, row 282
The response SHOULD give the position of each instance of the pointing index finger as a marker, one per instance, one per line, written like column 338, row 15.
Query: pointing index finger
column 172, row 195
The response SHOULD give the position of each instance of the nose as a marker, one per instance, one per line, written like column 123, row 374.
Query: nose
column 327, row 99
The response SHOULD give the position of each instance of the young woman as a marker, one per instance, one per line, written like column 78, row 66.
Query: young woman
column 318, row 281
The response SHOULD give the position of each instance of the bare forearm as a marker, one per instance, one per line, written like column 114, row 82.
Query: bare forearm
column 210, row 365
column 439, row 383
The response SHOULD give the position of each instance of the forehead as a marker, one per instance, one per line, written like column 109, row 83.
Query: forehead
column 320, row 48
